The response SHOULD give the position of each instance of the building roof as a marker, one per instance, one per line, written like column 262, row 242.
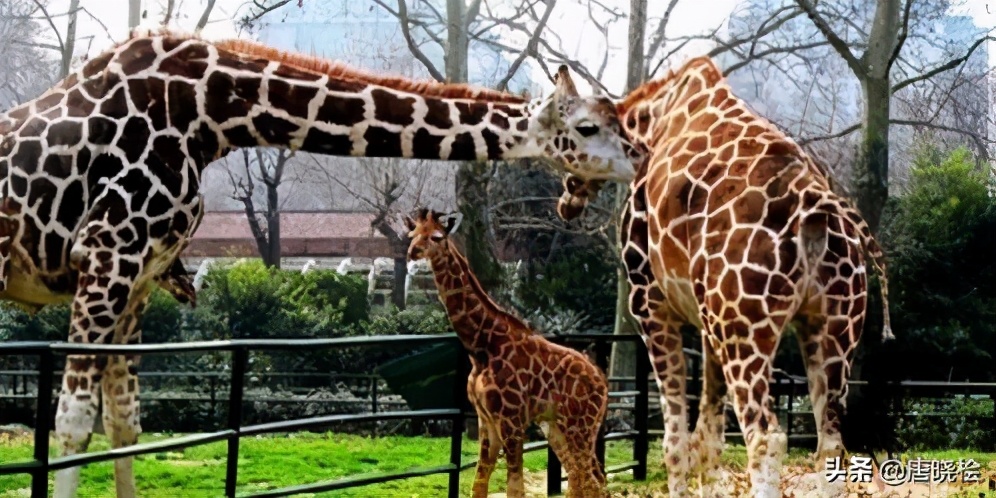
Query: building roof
column 293, row 225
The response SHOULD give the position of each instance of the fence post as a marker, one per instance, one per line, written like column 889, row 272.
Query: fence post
column 240, row 356
column 373, row 392
column 788, row 413
column 554, row 474
column 641, row 410
column 456, row 436
column 39, row 477
column 993, row 398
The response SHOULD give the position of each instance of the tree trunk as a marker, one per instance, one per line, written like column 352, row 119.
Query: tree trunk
column 623, row 359
column 272, row 256
column 471, row 194
column 871, row 170
column 70, row 45
column 400, row 274
column 471, row 177
column 637, row 36
column 134, row 13
column 456, row 41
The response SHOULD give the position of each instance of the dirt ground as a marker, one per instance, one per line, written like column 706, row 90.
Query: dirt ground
column 797, row 482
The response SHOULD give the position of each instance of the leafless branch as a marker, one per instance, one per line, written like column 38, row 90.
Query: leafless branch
column 205, row 16
column 51, row 23
column 835, row 41
column 951, row 64
column 904, row 31
column 170, row 5
column 405, row 23
column 530, row 48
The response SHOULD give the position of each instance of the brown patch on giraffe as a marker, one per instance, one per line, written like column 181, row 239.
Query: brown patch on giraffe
column 138, row 57
column 294, row 99
column 391, row 108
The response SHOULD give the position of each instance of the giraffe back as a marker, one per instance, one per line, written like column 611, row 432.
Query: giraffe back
column 722, row 179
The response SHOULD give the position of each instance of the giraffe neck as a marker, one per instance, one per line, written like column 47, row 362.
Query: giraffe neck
column 209, row 98
column 478, row 321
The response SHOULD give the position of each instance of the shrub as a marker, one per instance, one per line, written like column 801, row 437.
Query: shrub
column 941, row 270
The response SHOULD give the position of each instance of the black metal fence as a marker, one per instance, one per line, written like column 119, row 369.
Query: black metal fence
column 41, row 465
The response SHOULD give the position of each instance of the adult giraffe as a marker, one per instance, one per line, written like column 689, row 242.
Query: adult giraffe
column 733, row 229
column 99, row 180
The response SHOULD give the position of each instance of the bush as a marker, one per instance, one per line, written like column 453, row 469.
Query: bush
column 942, row 276
column 966, row 426
column 576, row 288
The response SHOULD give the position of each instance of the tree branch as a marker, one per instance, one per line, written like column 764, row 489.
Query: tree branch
column 904, row 31
column 835, row 41
column 530, row 48
column 204, row 16
column 659, row 35
column 846, row 131
column 404, row 21
column 951, row 64
column 51, row 23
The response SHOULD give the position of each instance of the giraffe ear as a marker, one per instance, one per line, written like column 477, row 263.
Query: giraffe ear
column 409, row 223
column 452, row 222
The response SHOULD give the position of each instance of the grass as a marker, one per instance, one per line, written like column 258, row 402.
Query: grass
column 271, row 462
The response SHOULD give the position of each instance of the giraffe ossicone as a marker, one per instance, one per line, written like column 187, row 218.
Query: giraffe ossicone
column 100, row 177
column 517, row 377
column 734, row 230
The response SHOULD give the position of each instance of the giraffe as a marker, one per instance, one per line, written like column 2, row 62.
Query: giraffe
column 517, row 376
column 100, row 177
column 731, row 228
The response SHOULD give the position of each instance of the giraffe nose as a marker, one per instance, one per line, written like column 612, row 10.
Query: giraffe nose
column 414, row 253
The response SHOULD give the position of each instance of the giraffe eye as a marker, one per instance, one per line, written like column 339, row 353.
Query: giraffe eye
column 586, row 130
column 437, row 236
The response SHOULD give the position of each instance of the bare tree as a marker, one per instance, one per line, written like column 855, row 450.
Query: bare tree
column 886, row 45
column 465, row 21
column 389, row 188
column 25, row 68
column 267, row 167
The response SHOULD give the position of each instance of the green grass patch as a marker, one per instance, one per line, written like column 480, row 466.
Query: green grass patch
column 270, row 462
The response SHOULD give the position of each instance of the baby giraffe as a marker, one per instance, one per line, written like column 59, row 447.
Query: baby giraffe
column 517, row 377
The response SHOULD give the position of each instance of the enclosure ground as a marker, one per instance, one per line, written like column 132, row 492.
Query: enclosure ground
column 278, row 461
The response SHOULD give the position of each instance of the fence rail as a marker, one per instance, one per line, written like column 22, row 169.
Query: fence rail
column 41, row 465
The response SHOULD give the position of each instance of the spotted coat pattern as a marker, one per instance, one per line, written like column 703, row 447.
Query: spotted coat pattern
column 517, row 377
column 731, row 228
column 100, row 178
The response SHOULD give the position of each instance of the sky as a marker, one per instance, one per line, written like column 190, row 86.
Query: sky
column 107, row 22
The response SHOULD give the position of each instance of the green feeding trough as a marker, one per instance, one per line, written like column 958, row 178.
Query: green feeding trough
column 425, row 379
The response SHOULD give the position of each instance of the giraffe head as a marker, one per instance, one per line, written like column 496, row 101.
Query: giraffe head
column 429, row 231
column 584, row 133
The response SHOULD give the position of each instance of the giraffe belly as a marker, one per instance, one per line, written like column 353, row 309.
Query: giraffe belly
column 681, row 298
column 26, row 288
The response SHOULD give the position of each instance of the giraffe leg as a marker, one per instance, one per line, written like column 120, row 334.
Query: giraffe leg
column 707, row 440
column 513, row 435
column 488, row 449
column 822, row 340
column 121, row 416
column 664, row 345
column 558, row 443
column 105, row 310
column 581, row 436
column 747, row 367
column 74, row 418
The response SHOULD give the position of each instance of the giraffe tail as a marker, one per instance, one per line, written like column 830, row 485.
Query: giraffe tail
column 876, row 257
column 814, row 237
